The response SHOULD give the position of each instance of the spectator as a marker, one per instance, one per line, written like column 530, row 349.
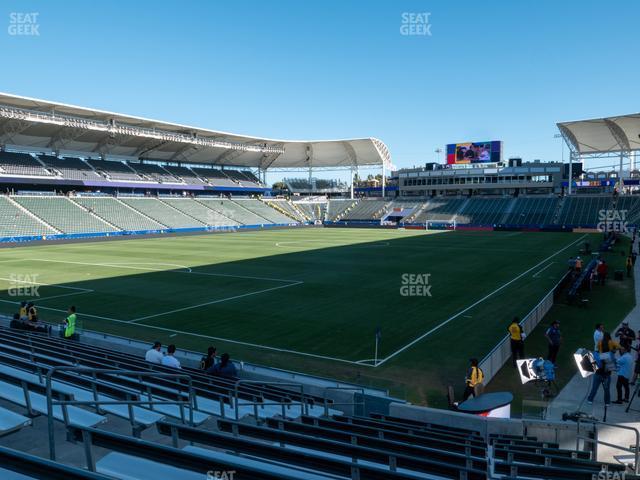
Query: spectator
column 554, row 337
column 225, row 368
column 516, row 335
column 602, row 270
column 598, row 335
column 578, row 266
column 210, row 360
column 605, row 365
column 474, row 378
column 70, row 323
column 169, row 360
column 625, row 365
column 154, row 355
column 607, row 344
column 629, row 266
column 32, row 313
column 23, row 311
column 626, row 335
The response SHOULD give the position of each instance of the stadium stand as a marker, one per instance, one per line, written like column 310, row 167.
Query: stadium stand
column 153, row 172
column 230, row 209
column 215, row 177
column 200, row 212
column 338, row 207
column 440, row 209
column 263, row 210
column 533, row 211
column 277, row 434
column 583, row 211
column 117, row 213
column 289, row 209
column 366, row 209
column 63, row 214
column 314, row 211
column 185, row 175
column 161, row 212
column 70, row 168
column 22, row 164
column 15, row 221
column 483, row 211
column 115, row 170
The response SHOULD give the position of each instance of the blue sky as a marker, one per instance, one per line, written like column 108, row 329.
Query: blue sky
column 337, row 69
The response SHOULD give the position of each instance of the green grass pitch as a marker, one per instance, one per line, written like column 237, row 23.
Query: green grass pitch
column 303, row 299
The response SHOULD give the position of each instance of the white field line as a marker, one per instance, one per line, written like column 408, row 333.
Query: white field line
column 130, row 267
column 208, row 337
column 213, row 302
column 439, row 326
column 535, row 275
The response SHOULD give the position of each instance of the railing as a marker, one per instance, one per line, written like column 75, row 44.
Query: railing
column 132, row 399
column 237, row 403
column 634, row 449
column 497, row 357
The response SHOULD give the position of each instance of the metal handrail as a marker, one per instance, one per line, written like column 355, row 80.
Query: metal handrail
column 595, row 441
column 344, row 404
column 96, row 402
column 236, row 397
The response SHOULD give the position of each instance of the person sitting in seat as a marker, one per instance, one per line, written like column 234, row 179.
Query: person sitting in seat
column 23, row 311
column 210, row 360
column 225, row 368
column 154, row 355
column 169, row 360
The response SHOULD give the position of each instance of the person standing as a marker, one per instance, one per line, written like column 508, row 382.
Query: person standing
column 474, row 378
column 516, row 336
column 625, row 365
column 70, row 323
column 602, row 269
column 554, row 337
column 629, row 266
column 626, row 336
column 605, row 365
column 598, row 335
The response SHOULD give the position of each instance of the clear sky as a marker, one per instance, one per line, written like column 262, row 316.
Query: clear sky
column 491, row 70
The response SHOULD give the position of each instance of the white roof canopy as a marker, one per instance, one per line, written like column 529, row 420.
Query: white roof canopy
column 34, row 123
column 603, row 135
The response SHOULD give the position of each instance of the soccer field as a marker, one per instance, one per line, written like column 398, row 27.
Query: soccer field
column 303, row 299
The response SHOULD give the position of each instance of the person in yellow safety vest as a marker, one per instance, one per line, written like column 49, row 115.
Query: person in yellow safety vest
column 516, row 336
column 70, row 323
column 475, row 377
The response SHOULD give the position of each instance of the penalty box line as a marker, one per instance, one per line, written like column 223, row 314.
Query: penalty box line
column 450, row 319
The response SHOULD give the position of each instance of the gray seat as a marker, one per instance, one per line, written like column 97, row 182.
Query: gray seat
column 12, row 421
column 127, row 467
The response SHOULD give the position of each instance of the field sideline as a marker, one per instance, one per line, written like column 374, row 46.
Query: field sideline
column 303, row 299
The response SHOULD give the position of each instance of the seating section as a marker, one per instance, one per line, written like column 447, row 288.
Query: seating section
column 200, row 212
column 161, row 212
column 337, row 208
column 313, row 211
column 366, row 210
column 184, row 174
column 215, row 177
column 22, row 164
column 153, row 172
column 115, row 170
column 117, row 213
column 286, row 435
column 629, row 208
column 264, row 211
column 441, row 209
column 484, row 211
column 16, row 222
column 583, row 211
column 533, row 211
column 63, row 214
column 288, row 209
column 70, row 168
column 230, row 209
